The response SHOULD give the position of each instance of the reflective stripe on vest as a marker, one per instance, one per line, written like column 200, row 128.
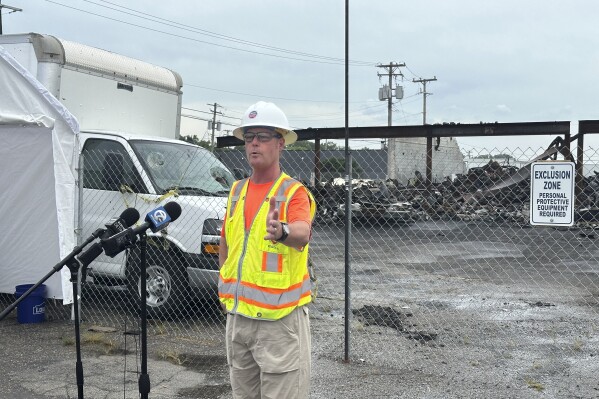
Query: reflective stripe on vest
column 272, row 262
column 267, row 298
column 235, row 193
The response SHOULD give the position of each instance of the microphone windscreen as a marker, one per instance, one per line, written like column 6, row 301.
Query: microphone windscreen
column 173, row 209
column 130, row 216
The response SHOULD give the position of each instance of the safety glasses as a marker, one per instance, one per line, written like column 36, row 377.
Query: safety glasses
column 263, row 137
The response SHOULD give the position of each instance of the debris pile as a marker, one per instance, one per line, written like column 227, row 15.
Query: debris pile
column 477, row 195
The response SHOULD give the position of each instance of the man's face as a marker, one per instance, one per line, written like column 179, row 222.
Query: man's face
column 263, row 154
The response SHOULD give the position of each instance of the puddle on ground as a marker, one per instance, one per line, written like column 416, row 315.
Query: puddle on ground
column 372, row 315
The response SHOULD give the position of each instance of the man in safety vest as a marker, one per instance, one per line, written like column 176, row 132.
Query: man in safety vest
column 264, row 282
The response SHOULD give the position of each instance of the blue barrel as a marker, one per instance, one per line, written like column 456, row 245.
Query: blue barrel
column 31, row 309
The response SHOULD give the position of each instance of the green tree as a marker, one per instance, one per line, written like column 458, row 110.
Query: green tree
column 310, row 146
column 195, row 140
column 329, row 145
column 301, row 146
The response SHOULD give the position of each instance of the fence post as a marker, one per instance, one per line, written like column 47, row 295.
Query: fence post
column 348, row 224
column 429, row 161
column 317, row 163
column 579, row 169
column 348, row 200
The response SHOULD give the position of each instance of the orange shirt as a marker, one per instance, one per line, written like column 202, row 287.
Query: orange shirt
column 298, row 209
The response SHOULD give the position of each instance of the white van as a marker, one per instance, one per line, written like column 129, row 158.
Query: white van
column 119, row 171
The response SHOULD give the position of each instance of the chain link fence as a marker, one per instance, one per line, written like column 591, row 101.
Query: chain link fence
column 445, row 279
column 452, row 279
column 181, row 260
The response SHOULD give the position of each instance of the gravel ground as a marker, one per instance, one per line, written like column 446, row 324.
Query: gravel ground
column 446, row 312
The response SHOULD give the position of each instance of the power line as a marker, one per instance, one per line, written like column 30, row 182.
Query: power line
column 211, row 34
column 271, row 97
column 179, row 25
column 194, row 117
column 206, row 112
column 196, row 110
column 338, row 62
column 412, row 72
column 315, row 116
column 280, row 98
column 203, row 119
column 306, row 117
column 11, row 8
column 253, row 95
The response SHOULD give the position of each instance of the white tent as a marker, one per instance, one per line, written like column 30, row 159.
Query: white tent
column 38, row 138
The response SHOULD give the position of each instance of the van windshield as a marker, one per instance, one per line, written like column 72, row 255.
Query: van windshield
column 188, row 169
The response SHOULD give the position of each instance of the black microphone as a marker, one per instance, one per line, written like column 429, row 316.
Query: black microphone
column 156, row 220
column 114, row 226
column 128, row 218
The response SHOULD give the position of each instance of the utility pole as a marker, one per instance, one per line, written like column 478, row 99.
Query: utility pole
column 424, row 94
column 429, row 139
column 385, row 93
column 13, row 9
column 213, row 124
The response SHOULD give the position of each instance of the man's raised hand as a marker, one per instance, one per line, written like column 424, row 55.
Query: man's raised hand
column 273, row 225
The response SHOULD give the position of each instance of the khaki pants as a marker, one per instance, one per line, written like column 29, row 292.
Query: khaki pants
column 269, row 359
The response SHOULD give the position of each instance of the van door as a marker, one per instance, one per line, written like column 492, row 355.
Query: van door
column 110, row 185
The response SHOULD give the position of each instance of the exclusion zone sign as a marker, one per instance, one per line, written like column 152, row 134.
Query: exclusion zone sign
column 552, row 194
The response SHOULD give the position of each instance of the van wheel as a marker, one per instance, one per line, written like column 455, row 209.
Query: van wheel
column 166, row 283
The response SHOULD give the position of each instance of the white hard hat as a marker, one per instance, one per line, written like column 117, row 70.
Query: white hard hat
column 268, row 115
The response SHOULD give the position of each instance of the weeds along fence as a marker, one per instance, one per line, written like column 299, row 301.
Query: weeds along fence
column 444, row 273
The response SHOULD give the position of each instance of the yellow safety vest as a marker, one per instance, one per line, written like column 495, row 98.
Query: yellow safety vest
column 262, row 279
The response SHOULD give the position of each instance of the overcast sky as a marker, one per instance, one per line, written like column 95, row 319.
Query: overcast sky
column 504, row 61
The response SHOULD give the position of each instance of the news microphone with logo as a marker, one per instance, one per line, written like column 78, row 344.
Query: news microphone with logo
column 155, row 220
column 159, row 218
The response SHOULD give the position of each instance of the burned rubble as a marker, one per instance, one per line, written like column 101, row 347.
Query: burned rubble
column 492, row 193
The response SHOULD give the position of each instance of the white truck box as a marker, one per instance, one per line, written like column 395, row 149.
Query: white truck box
column 104, row 90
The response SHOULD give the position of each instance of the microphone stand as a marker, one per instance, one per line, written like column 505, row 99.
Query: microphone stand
column 73, row 264
column 144, row 378
column 78, row 364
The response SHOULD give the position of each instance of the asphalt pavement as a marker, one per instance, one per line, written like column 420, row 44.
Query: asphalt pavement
column 442, row 312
